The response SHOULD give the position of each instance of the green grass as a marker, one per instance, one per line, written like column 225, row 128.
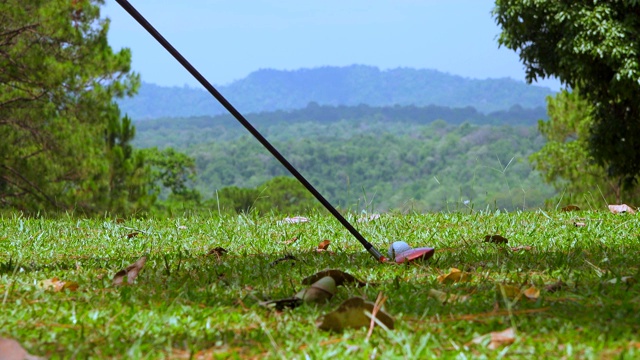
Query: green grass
column 185, row 303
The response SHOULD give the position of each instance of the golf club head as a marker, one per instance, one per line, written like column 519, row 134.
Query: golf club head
column 401, row 252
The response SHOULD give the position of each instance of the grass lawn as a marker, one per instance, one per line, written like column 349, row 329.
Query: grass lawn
column 566, row 291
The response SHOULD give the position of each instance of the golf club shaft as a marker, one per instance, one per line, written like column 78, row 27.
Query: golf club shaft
column 156, row 35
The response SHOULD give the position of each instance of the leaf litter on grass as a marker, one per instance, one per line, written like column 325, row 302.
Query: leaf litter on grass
column 130, row 273
column 560, row 256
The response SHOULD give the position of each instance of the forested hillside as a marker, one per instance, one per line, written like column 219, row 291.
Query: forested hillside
column 270, row 90
column 311, row 121
column 368, row 163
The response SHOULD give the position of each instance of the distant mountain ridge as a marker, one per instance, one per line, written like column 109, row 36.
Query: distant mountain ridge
column 271, row 90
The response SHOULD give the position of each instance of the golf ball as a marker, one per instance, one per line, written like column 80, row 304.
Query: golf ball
column 398, row 247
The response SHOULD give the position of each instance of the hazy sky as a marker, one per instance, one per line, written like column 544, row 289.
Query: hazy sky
column 228, row 39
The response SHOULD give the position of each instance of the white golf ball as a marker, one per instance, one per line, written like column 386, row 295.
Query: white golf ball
column 398, row 247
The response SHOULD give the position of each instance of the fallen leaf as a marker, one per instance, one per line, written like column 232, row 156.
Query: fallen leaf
column 131, row 272
column 369, row 218
column 624, row 280
column 621, row 209
column 281, row 304
column 295, row 220
column 521, row 247
column 56, row 285
column 532, row 293
column 354, row 313
column 510, row 291
column 454, row 276
column 497, row 339
column 444, row 297
column 339, row 276
column 218, row 251
column 132, row 234
column 12, row 350
column 555, row 286
column 570, row 208
column 324, row 245
column 291, row 241
column 319, row 292
column 282, row 259
column 496, row 239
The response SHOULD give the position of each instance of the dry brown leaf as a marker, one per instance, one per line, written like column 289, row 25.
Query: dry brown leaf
column 454, row 276
column 324, row 245
column 283, row 259
column 12, row 350
column 131, row 272
column 291, row 241
column 444, row 297
column 621, row 209
column 532, row 293
column 510, row 291
column 218, row 251
column 555, row 286
column 352, row 313
column 132, row 234
column 281, row 304
column 339, row 276
column 56, row 285
column 496, row 239
column 521, row 247
column 319, row 292
column 497, row 339
column 570, row 208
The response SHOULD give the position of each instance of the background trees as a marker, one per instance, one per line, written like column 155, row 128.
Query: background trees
column 592, row 46
column 565, row 160
column 65, row 145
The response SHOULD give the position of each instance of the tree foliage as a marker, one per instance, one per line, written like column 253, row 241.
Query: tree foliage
column 565, row 160
column 281, row 194
column 592, row 46
column 65, row 145
column 370, row 164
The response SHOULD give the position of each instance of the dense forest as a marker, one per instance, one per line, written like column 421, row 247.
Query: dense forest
column 373, row 161
column 74, row 141
column 311, row 120
column 272, row 90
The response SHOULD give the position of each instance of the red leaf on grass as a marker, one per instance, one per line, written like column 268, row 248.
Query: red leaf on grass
column 323, row 246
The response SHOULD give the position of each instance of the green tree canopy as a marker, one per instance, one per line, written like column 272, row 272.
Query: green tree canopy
column 565, row 160
column 592, row 46
column 57, row 80
column 64, row 144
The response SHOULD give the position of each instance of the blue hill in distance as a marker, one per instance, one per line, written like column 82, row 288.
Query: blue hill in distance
column 267, row 90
